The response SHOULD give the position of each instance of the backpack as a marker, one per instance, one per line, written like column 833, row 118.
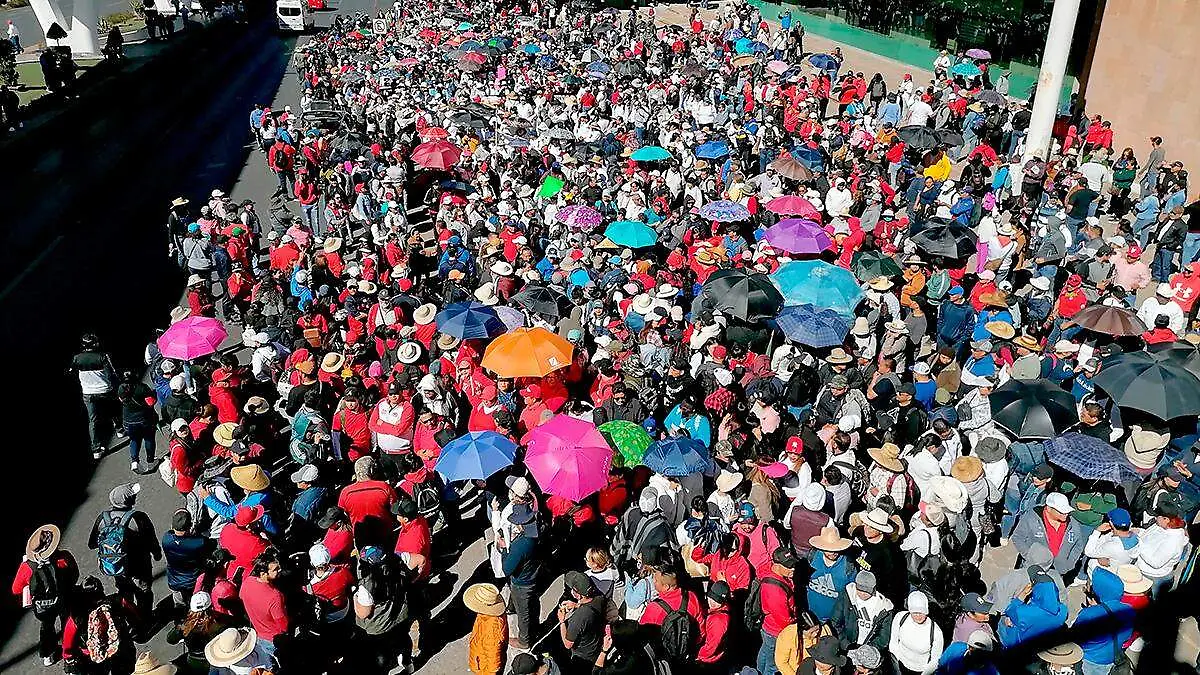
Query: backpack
column 43, row 589
column 103, row 634
column 680, row 632
column 110, row 539
column 910, row 491
column 918, row 565
column 753, row 613
column 429, row 501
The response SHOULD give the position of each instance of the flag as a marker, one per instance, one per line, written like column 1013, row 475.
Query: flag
column 550, row 187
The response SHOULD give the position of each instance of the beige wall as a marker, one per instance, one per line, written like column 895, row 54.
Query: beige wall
column 1145, row 77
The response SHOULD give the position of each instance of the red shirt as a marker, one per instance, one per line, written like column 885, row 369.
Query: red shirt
column 778, row 605
column 716, row 629
column 227, row 405
column 760, row 554
column 356, row 425
column 334, row 587
column 243, row 545
column 367, row 499
column 265, row 608
column 654, row 613
column 339, row 543
column 415, row 538
column 1054, row 533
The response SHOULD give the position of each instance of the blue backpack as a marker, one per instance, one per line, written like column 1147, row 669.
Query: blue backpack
column 110, row 540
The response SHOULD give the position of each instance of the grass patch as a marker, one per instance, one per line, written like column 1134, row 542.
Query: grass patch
column 29, row 76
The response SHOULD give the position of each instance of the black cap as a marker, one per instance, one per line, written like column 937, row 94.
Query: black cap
column 719, row 592
column 332, row 515
column 784, row 556
column 405, row 508
column 653, row 556
column 908, row 388
column 580, row 583
column 827, row 652
column 1042, row 471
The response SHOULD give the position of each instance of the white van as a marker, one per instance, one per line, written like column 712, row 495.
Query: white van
column 294, row 15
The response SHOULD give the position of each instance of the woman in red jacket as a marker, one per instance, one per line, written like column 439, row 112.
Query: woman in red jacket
column 728, row 563
column 43, row 577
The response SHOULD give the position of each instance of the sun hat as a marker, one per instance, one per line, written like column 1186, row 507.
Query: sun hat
column 1133, row 580
column 250, row 478
column 838, row 356
column 949, row 492
column 484, row 599
column 861, row 327
column 967, row 468
column 888, row 456
column 408, row 353
column 223, row 434
column 447, row 342
column 43, row 543
column 829, row 540
column 502, row 268
column 1066, row 347
column 728, row 480
column 877, row 519
column 486, row 294
column 990, row 449
column 425, row 314
column 333, row 362
column 1067, row 654
column 814, row 497
column 1027, row 342
column 149, row 664
column 934, row 513
column 230, row 646
column 896, row 326
column 1144, row 447
column 1001, row 329
column 881, row 284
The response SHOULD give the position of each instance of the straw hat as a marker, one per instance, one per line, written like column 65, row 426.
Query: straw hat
column 995, row 298
column 1133, row 580
column 484, row 599
column 231, row 646
column 250, row 478
column 424, row 314
column 1063, row 655
column 408, row 352
column 332, row 244
column 877, row 519
column 1028, row 343
column 642, row 304
column 367, row 287
column 861, row 327
column 838, row 356
column 1144, row 447
column 704, row 256
column 333, row 362
column 967, row 468
column 888, row 457
column 829, row 540
column 502, row 268
column 1001, row 329
column 896, row 326
column 881, row 284
column 447, row 342
column 223, row 434
column 43, row 543
column 148, row 664
column 257, row 405
column 728, row 480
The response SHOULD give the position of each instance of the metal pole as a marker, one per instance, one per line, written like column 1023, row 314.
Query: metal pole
column 1050, row 80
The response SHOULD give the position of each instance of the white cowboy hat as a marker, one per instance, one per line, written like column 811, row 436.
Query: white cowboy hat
column 642, row 303
column 408, row 352
column 501, row 268
column 728, row 480
column 486, row 294
column 877, row 519
column 230, row 646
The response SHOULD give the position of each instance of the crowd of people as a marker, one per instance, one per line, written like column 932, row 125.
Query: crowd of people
column 761, row 381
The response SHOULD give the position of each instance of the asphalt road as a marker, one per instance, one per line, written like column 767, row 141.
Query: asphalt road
column 31, row 31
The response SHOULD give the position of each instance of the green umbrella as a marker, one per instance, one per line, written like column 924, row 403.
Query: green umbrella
column 866, row 266
column 627, row 438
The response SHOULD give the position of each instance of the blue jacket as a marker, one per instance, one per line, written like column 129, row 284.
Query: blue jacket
column 889, row 112
column 951, row 662
column 954, row 322
column 697, row 426
column 185, row 557
column 1040, row 614
column 1108, row 589
column 309, row 503
column 263, row 499
column 520, row 562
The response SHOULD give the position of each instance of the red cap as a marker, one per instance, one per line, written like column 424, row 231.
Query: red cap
column 719, row 352
column 405, row 285
column 532, row 391
column 1134, row 251
column 794, row 445
column 1074, row 281
column 245, row 515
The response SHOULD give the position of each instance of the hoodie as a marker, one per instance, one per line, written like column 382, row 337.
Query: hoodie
column 1107, row 589
column 858, row 622
column 1041, row 613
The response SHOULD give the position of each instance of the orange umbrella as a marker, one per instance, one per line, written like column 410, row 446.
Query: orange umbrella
column 527, row 352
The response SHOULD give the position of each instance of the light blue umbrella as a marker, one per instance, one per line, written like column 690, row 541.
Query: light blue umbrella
column 724, row 211
column 631, row 233
column 966, row 69
column 743, row 45
column 464, row 27
column 531, row 49
column 677, row 457
column 650, row 153
column 712, row 150
column 469, row 320
column 473, row 46
column 813, row 327
column 818, row 283
column 475, row 456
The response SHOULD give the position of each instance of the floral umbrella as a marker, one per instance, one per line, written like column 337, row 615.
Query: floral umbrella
column 724, row 211
column 578, row 217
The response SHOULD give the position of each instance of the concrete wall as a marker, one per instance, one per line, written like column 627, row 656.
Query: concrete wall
column 1145, row 76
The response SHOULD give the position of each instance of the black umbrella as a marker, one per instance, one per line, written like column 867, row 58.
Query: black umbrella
column 1162, row 387
column 1111, row 321
column 918, row 137
column 1181, row 353
column 539, row 299
column 948, row 240
column 991, row 97
column 947, row 137
column 56, row 32
column 749, row 297
column 1032, row 409
column 630, row 69
column 464, row 119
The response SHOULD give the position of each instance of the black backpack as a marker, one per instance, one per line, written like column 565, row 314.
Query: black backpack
column 680, row 632
column 753, row 613
column 43, row 589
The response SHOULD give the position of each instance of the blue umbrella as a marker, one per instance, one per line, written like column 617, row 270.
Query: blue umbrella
column 818, row 283
column 1089, row 458
column 823, row 61
column 733, row 34
column 631, row 233
column 810, row 157
column 472, row 46
column 464, row 27
column 742, row 45
column 757, row 47
column 712, row 150
column 531, row 49
column 724, row 211
column 677, row 457
column 966, row 69
column 475, row 456
column 547, row 62
column 650, row 153
column 813, row 326
column 469, row 320
column 599, row 67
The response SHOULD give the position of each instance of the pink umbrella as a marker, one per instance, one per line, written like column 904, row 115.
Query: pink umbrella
column 791, row 205
column 778, row 67
column 192, row 338
column 568, row 457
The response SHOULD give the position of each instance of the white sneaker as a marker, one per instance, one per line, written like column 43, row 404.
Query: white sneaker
column 133, row 466
column 1004, row 541
column 1079, row 581
column 97, row 454
column 47, row 661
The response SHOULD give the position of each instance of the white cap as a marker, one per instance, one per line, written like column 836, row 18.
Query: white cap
column 318, row 555
column 178, row 382
column 1066, row 346
column 301, row 277
column 200, row 601
column 1165, row 290
column 849, row 423
column 921, row 368
column 1058, row 502
column 305, row 474
column 518, row 486
column 917, row 603
column 179, row 425
column 167, row 366
column 218, row 193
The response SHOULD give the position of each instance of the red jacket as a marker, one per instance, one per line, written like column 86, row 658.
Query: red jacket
column 736, row 568
column 63, row 560
column 307, row 193
column 334, row 587
column 715, row 630
column 654, row 613
column 228, row 409
column 187, row 465
column 415, row 537
column 777, row 603
column 243, row 545
column 367, row 499
column 355, row 425
column 281, row 157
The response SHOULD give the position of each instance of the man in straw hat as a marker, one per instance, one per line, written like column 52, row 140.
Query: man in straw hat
column 235, row 651
column 44, row 578
column 832, row 570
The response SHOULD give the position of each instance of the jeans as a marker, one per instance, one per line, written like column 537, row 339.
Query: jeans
column 1014, row 140
column 100, row 418
column 1164, row 260
column 526, row 605
column 1142, row 228
column 1090, row 668
column 1191, row 249
column 140, row 436
column 312, row 217
column 1160, row 585
column 1149, row 181
column 285, row 180
column 766, row 654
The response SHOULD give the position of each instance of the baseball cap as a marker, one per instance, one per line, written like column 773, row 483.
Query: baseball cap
column 973, row 602
column 580, row 583
column 1120, row 519
column 746, row 513
column 305, row 474
column 784, row 556
column 318, row 555
column 720, row 592
column 1058, row 502
column 865, row 581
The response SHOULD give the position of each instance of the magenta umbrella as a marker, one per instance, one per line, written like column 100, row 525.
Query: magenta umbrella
column 791, row 205
column 192, row 338
column 797, row 235
column 568, row 457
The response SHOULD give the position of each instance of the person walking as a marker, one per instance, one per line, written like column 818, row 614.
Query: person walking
column 98, row 385
column 44, row 581
column 124, row 541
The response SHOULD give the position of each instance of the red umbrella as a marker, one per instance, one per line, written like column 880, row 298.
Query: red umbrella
column 474, row 57
column 791, row 205
column 436, row 155
column 428, row 34
column 408, row 62
column 435, row 134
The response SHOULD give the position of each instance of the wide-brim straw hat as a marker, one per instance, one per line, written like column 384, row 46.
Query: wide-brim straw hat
column 149, row 664
column 1063, row 655
column 838, row 356
column 1133, row 580
column 425, row 314
column 43, row 543
column 223, row 434
column 887, row 456
column 333, row 362
column 230, row 646
column 1001, row 329
column 250, row 478
column 332, row 244
column 877, row 519
column 967, row 469
column 408, row 353
column 484, row 599
column 829, row 540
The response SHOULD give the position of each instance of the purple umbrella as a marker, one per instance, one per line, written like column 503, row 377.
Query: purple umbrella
column 981, row 54
column 511, row 317
column 797, row 235
column 578, row 217
column 724, row 211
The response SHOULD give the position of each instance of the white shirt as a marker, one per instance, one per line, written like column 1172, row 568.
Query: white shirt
column 920, row 113
column 1151, row 308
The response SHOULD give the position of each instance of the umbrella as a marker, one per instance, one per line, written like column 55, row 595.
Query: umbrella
column 590, row 55
column 966, row 69
column 599, row 67
column 677, row 457
column 469, row 320
column 1160, row 387
column 475, row 456
column 511, row 317
column 981, row 54
column 436, row 155
column 1089, row 458
column 733, row 35
column 1110, row 320
column 870, row 264
column 712, row 150
column 466, row 119
column 1181, row 353
column 744, row 60
column 473, row 57
column 797, row 235
column 791, row 205
column 539, row 299
column 501, row 42
column 788, row 167
column 560, row 133
column 824, row 62
column 578, row 216
column 650, row 153
column 949, row 138
column 192, row 338
column 568, row 457
column 948, row 240
column 627, row 438
column 464, row 27
column 812, row 326
column 408, row 62
column 1032, row 409
column 547, row 62
column 472, row 46
column 531, row 49
column 630, row 69
column 818, row 283
column 527, row 352
column 742, row 45
column 991, row 97
column 749, row 297
column 778, row 67
column 725, row 211
column 918, row 137
column 631, row 233
column 809, row 157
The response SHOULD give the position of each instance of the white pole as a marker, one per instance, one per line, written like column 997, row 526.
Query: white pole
column 1050, row 80
column 82, row 33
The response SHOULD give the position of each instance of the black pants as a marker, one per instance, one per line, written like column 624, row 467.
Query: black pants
column 50, row 632
column 525, row 603
column 378, row 653
column 140, row 592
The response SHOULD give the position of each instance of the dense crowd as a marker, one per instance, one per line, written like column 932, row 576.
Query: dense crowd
column 762, row 381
